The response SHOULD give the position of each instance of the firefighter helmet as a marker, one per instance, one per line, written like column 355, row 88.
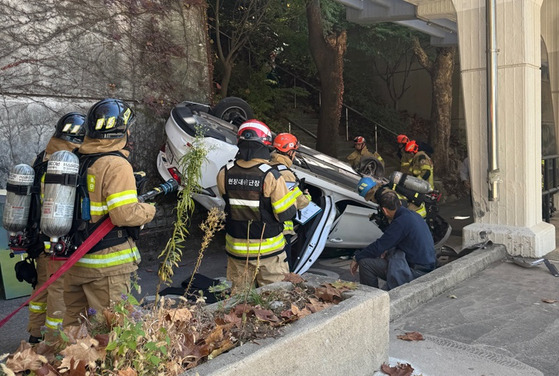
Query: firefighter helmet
column 284, row 142
column 402, row 139
column 109, row 119
column 70, row 127
column 412, row 147
column 359, row 140
column 255, row 130
column 365, row 185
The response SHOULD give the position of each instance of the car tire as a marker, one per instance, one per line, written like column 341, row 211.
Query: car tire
column 371, row 166
column 233, row 110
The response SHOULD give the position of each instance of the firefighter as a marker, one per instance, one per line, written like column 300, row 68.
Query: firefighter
column 257, row 202
column 404, row 252
column 421, row 165
column 47, row 309
column 405, row 157
column 361, row 152
column 103, row 275
column 368, row 188
column 285, row 150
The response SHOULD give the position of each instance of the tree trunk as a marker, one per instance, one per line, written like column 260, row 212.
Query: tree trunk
column 441, row 107
column 441, row 71
column 327, row 53
column 227, row 71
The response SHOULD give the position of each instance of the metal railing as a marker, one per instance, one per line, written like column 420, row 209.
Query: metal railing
column 550, row 185
column 346, row 108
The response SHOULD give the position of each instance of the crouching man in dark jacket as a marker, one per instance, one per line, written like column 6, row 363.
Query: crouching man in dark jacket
column 404, row 252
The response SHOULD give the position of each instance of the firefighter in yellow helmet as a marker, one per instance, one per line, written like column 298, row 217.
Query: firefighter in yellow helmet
column 257, row 203
column 103, row 274
column 361, row 152
column 47, row 309
column 285, row 150
column 421, row 165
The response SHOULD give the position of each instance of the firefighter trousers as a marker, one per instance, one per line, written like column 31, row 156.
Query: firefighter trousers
column 85, row 296
column 264, row 271
column 38, row 306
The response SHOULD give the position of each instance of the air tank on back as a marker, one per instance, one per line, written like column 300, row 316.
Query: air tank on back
column 410, row 182
column 59, row 194
column 18, row 198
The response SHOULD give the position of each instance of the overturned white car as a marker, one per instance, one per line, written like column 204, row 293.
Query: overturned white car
column 344, row 221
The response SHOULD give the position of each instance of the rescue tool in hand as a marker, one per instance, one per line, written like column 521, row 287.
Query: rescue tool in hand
column 101, row 230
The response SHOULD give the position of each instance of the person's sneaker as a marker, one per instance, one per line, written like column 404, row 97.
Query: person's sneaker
column 33, row 339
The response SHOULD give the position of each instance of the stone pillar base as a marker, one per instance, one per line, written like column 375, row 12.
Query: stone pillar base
column 535, row 241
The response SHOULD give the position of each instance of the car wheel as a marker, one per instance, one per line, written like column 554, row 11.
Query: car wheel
column 371, row 166
column 233, row 110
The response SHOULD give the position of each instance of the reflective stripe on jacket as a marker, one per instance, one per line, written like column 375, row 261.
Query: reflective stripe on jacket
column 257, row 202
column 112, row 190
column 283, row 162
column 420, row 164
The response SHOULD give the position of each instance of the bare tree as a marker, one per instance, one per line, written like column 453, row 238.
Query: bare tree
column 244, row 18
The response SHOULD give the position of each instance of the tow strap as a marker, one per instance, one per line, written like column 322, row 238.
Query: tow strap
column 103, row 229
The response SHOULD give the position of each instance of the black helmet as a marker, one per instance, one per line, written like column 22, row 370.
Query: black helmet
column 109, row 119
column 70, row 128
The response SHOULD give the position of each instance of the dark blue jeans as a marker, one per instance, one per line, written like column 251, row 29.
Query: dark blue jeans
column 394, row 269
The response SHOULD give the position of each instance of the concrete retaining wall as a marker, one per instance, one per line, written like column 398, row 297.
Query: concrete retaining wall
column 350, row 338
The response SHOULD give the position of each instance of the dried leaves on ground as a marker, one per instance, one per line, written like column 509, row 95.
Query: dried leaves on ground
column 134, row 340
column 411, row 336
column 399, row 370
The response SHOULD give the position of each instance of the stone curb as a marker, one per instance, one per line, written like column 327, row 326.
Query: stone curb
column 407, row 297
column 350, row 338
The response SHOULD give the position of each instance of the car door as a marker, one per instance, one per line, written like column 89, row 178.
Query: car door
column 312, row 236
column 353, row 228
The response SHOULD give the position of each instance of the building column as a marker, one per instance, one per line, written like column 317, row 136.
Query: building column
column 515, row 218
column 550, row 36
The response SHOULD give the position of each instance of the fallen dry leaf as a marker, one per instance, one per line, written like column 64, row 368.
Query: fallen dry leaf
column 329, row 293
column 179, row 314
column 399, row 370
column 232, row 318
column 113, row 319
column 265, row 315
column 315, row 305
column 243, row 308
column 550, row 301
column 25, row 360
column 411, row 336
column 47, row 370
column 84, row 350
column 77, row 368
column 224, row 346
column 293, row 278
column 76, row 332
column 127, row 372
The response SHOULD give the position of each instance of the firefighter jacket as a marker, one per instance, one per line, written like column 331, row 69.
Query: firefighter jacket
column 422, row 167
column 419, row 208
column 112, row 190
column 257, row 202
column 282, row 163
column 355, row 158
column 405, row 162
